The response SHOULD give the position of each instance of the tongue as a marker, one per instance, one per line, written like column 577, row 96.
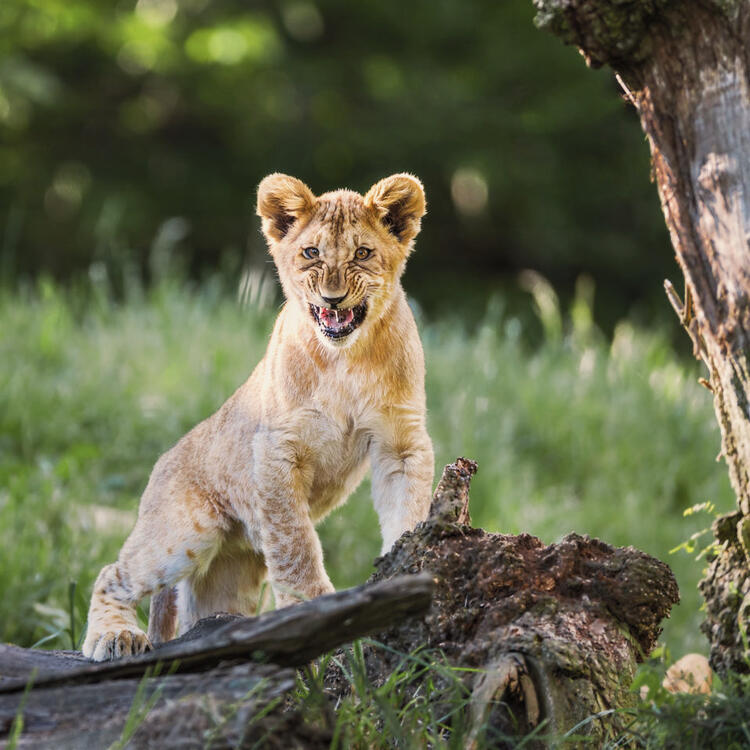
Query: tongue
column 336, row 319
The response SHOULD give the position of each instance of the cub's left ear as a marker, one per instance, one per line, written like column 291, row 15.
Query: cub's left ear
column 399, row 202
column 282, row 200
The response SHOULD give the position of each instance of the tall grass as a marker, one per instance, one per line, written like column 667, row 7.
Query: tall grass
column 613, row 438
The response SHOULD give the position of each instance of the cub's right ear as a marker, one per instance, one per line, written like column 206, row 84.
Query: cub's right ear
column 281, row 201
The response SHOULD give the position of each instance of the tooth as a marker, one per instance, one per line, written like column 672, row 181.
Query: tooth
column 337, row 316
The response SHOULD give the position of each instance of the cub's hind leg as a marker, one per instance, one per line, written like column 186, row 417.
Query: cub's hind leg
column 162, row 616
column 232, row 583
column 172, row 538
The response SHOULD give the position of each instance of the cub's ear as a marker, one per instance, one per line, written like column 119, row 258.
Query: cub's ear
column 281, row 201
column 399, row 203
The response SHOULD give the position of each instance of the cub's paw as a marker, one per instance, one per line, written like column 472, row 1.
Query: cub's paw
column 113, row 645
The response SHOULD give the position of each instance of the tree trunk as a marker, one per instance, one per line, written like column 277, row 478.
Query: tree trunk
column 686, row 68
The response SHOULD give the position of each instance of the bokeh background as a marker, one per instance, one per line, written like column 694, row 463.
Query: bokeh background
column 136, row 292
column 149, row 124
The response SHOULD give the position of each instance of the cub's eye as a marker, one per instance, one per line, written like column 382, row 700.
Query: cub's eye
column 310, row 252
column 362, row 253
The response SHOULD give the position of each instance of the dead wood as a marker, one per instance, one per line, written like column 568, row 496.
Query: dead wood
column 290, row 637
column 210, row 676
column 93, row 715
column 555, row 630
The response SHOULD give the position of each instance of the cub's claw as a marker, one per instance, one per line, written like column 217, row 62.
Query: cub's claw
column 113, row 645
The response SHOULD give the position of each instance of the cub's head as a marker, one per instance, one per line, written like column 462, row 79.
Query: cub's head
column 340, row 255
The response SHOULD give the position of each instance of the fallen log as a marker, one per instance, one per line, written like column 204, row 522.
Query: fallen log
column 73, row 702
column 555, row 631
column 95, row 715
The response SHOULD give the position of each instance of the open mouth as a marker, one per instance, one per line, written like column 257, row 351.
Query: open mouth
column 337, row 324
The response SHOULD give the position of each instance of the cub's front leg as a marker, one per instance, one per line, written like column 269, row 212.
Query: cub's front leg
column 402, row 462
column 289, row 542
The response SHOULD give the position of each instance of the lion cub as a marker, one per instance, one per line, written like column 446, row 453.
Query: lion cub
column 341, row 386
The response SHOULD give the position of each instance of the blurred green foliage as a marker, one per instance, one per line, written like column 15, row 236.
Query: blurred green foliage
column 131, row 127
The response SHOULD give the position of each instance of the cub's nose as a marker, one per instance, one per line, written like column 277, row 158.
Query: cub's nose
column 333, row 301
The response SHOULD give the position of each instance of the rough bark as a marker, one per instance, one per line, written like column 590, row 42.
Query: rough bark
column 94, row 715
column 555, row 631
column 686, row 68
column 207, row 681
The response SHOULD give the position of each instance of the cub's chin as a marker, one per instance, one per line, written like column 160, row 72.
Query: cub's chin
column 339, row 327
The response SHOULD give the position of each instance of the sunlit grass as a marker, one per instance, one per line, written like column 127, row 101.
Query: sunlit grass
column 610, row 438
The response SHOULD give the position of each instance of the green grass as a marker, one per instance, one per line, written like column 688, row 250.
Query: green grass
column 611, row 438
column 424, row 703
column 394, row 714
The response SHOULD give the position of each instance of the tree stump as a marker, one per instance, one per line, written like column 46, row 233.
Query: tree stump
column 556, row 631
column 686, row 69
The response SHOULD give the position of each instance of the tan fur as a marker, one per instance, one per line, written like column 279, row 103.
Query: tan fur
column 236, row 498
column 690, row 674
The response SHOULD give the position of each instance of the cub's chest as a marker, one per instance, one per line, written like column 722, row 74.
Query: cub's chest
column 332, row 437
column 339, row 409
column 333, row 425
column 335, row 452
